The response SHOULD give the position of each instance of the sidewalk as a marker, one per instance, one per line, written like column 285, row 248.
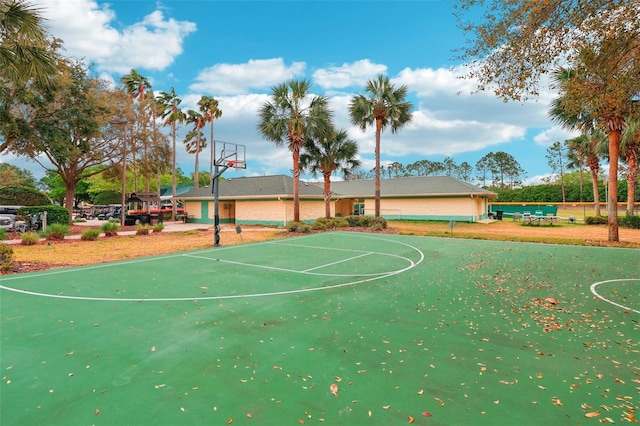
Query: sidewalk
column 168, row 227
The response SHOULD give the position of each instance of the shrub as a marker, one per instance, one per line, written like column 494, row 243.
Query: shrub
column 293, row 226
column 596, row 220
column 3, row 234
column 158, row 227
column 342, row 223
column 90, row 235
column 631, row 221
column 142, row 229
column 22, row 196
column 359, row 221
column 30, row 238
column 322, row 223
column 378, row 223
column 6, row 257
column 110, row 229
column 57, row 231
column 329, row 223
column 55, row 214
column 298, row 227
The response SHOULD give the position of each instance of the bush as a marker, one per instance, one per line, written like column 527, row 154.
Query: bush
column 359, row 221
column 22, row 196
column 298, row 227
column 55, row 214
column 596, row 220
column 57, row 231
column 378, row 223
column 110, row 229
column 631, row 221
column 142, row 229
column 323, row 223
column 158, row 227
column 30, row 238
column 90, row 235
column 3, row 234
column 6, row 257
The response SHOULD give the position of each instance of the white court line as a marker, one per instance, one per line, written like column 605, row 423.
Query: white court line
column 337, row 249
column 595, row 293
column 194, row 299
column 335, row 263
column 307, row 272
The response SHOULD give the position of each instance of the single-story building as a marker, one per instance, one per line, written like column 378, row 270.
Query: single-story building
column 268, row 200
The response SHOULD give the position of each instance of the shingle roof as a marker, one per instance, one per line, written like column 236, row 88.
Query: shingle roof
column 409, row 187
column 257, row 187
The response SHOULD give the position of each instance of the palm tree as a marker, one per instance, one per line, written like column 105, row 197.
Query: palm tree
column 210, row 111
column 292, row 115
column 594, row 139
column 24, row 51
column 335, row 153
column 630, row 149
column 156, row 108
column 172, row 115
column 195, row 141
column 135, row 84
column 385, row 107
column 589, row 146
column 27, row 61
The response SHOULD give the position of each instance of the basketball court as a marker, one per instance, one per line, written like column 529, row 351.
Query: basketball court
column 339, row 328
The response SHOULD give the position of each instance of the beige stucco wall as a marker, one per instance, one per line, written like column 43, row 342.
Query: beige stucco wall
column 276, row 212
column 428, row 208
column 280, row 212
column 193, row 209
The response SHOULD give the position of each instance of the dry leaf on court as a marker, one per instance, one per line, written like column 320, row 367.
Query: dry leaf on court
column 334, row 389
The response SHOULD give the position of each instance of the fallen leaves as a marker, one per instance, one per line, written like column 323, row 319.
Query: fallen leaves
column 334, row 389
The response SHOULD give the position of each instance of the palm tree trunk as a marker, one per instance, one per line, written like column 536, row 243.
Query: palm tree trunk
column 326, row 193
column 196, row 178
column 632, row 175
column 134, row 167
column 612, row 206
column 377, row 182
column 296, row 185
column 596, row 193
column 173, row 172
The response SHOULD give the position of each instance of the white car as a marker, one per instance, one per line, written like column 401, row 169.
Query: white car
column 6, row 223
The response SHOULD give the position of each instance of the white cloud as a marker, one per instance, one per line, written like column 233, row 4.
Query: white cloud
column 554, row 134
column 89, row 32
column 352, row 74
column 230, row 79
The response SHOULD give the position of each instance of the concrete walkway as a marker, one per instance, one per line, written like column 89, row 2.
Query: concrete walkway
column 168, row 227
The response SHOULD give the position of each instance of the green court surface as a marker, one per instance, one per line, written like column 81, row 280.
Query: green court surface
column 337, row 328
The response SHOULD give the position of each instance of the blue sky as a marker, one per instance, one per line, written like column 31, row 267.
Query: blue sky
column 236, row 51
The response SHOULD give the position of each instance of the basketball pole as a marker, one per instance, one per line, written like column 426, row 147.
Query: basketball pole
column 216, row 216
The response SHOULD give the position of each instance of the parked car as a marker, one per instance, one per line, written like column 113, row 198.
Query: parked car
column 7, row 223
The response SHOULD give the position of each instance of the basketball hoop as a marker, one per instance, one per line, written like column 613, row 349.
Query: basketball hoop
column 237, row 164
